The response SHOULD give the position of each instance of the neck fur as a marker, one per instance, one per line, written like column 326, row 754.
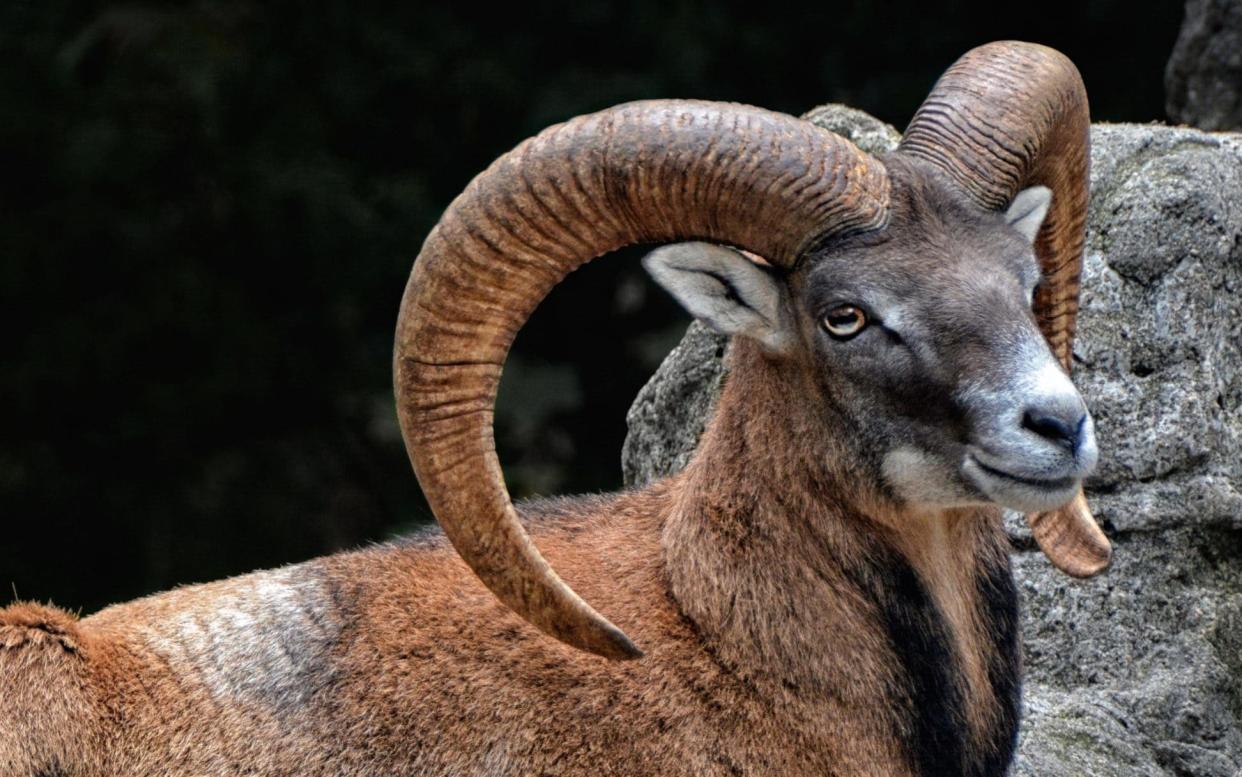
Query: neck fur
column 776, row 533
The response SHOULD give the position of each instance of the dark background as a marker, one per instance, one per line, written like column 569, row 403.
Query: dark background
column 208, row 212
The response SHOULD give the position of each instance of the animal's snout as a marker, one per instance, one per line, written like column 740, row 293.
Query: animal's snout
column 1033, row 440
column 1056, row 427
column 1058, row 423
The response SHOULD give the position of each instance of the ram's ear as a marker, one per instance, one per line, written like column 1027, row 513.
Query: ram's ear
column 726, row 291
column 1026, row 212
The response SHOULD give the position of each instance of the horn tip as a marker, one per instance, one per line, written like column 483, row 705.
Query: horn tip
column 629, row 652
column 615, row 645
column 1071, row 539
column 590, row 632
column 1090, row 556
column 1088, row 565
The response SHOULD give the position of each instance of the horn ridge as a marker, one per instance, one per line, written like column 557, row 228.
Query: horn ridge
column 654, row 171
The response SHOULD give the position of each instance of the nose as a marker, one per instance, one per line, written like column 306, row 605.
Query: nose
column 1060, row 426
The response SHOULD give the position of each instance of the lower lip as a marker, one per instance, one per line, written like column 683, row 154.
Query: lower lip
column 1058, row 484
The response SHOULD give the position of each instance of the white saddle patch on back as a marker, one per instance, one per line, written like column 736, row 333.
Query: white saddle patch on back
column 262, row 638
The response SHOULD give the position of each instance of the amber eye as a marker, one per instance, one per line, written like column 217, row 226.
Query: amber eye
column 845, row 321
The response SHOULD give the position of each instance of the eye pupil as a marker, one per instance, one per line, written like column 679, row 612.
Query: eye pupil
column 845, row 321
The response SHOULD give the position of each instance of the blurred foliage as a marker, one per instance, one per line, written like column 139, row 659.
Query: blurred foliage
column 209, row 210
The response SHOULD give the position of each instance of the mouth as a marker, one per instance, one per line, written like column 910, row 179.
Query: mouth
column 1051, row 484
column 1024, row 493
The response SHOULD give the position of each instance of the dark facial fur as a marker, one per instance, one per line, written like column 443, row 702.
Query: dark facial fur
column 951, row 362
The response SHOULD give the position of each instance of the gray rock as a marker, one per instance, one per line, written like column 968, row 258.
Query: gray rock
column 860, row 128
column 1138, row 671
column 672, row 409
column 1203, row 79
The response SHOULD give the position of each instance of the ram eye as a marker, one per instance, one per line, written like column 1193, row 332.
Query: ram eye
column 845, row 321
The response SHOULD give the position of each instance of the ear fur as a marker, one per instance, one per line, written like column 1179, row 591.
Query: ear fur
column 1026, row 213
column 726, row 291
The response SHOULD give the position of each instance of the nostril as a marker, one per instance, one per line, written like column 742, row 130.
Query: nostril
column 1053, row 427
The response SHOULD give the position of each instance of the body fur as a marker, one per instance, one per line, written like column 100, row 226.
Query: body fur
column 822, row 639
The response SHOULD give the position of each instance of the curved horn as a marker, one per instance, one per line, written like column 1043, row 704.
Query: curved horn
column 1006, row 116
column 656, row 171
